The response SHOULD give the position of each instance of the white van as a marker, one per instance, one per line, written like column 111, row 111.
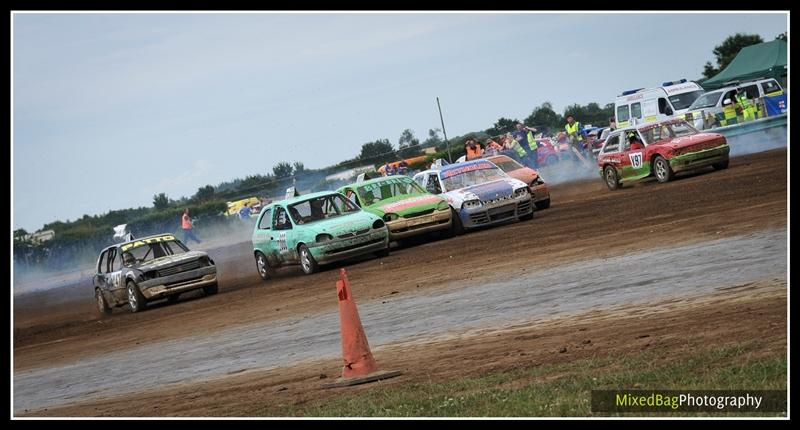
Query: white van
column 724, row 96
column 714, row 101
column 655, row 104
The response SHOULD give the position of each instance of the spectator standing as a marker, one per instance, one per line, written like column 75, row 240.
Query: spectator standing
column 188, row 227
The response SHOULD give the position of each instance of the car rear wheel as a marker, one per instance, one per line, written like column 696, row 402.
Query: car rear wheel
column 662, row 169
column 611, row 178
column 262, row 264
column 722, row 165
column 102, row 306
column 307, row 261
column 136, row 299
column 457, row 227
column 212, row 289
column 543, row 204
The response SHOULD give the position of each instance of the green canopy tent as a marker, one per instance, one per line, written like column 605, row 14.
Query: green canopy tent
column 763, row 60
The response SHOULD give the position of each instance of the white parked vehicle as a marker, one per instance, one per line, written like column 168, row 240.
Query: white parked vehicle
column 647, row 105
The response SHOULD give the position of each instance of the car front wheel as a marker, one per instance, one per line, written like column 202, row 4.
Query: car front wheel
column 662, row 169
column 136, row 299
column 722, row 165
column 611, row 178
column 264, row 271
column 102, row 305
column 543, row 204
column 457, row 228
column 307, row 261
column 212, row 289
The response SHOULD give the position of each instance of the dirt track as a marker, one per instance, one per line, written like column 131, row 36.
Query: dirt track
column 586, row 220
column 751, row 315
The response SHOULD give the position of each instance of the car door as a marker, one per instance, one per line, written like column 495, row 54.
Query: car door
column 114, row 276
column 263, row 239
column 611, row 154
column 282, row 236
column 99, row 279
column 632, row 160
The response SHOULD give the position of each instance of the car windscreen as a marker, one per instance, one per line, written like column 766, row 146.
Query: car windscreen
column 470, row 175
column 508, row 165
column 706, row 101
column 319, row 208
column 145, row 252
column 666, row 130
column 388, row 188
column 683, row 101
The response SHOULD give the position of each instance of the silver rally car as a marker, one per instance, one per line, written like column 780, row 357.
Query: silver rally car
column 150, row 268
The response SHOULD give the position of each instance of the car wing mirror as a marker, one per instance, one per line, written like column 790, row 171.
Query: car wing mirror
column 726, row 102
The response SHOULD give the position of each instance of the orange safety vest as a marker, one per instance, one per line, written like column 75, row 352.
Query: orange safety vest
column 186, row 223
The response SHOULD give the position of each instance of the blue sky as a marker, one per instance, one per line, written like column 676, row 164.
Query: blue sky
column 110, row 109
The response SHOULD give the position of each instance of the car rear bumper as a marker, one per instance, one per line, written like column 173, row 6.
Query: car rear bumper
column 697, row 159
column 340, row 249
column 407, row 227
column 482, row 216
column 179, row 282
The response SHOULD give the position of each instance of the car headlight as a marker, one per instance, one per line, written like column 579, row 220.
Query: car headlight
column 324, row 237
column 472, row 204
column 443, row 206
column 152, row 274
column 390, row 217
column 378, row 224
column 521, row 192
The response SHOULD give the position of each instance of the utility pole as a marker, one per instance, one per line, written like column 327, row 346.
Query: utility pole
column 449, row 157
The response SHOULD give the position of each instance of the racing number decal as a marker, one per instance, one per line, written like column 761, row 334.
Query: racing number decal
column 636, row 160
column 113, row 279
column 282, row 242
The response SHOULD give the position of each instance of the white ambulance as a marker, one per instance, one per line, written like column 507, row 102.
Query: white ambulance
column 655, row 104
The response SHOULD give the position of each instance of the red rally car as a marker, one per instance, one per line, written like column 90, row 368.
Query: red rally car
column 660, row 149
column 540, row 194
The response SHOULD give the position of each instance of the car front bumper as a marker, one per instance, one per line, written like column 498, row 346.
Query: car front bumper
column 484, row 216
column 179, row 282
column 407, row 227
column 342, row 248
column 697, row 159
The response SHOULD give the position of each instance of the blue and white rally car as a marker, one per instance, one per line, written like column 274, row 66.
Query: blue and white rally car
column 479, row 193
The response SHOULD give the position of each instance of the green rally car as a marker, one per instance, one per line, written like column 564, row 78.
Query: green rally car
column 406, row 207
column 315, row 229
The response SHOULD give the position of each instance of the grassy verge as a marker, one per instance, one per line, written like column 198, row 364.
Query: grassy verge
column 555, row 389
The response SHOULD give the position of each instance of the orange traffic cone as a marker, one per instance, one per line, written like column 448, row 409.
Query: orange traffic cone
column 359, row 365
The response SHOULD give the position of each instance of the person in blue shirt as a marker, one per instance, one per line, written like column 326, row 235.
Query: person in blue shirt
column 244, row 212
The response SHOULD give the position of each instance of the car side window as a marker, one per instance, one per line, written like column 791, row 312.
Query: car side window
column 770, row 86
column 101, row 262
column 751, row 91
column 663, row 106
column 433, row 184
column 612, row 144
column 266, row 220
column 728, row 98
column 636, row 110
column 281, row 220
column 623, row 113
column 112, row 253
